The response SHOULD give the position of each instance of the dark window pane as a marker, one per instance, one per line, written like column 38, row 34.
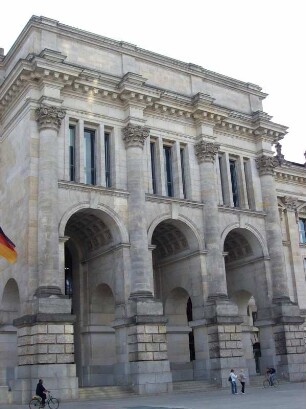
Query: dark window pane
column 72, row 153
column 302, row 230
column 153, row 170
column 234, row 181
column 168, row 170
column 183, row 172
column 107, row 160
column 89, row 157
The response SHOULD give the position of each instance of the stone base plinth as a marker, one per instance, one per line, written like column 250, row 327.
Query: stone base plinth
column 151, row 377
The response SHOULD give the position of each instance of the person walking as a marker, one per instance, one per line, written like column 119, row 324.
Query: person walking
column 233, row 379
column 242, row 379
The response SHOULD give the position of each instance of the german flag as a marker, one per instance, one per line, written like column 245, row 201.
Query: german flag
column 7, row 248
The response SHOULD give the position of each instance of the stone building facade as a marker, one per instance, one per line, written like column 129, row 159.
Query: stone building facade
column 159, row 237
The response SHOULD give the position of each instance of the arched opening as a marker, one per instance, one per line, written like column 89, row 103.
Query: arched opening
column 248, row 288
column 176, row 266
column 9, row 310
column 93, row 274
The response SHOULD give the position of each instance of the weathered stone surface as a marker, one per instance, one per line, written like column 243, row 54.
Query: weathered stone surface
column 158, row 235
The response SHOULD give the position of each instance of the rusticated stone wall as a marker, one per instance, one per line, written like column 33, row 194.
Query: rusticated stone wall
column 224, row 341
column 147, row 343
column 45, row 344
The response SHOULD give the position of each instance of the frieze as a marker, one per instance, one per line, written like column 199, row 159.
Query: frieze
column 50, row 117
column 135, row 135
column 266, row 164
column 206, row 151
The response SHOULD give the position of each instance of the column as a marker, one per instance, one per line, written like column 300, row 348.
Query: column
column 206, row 154
column 134, row 137
column 288, row 328
column 265, row 166
column 49, row 120
column 145, row 330
column 223, row 323
column 46, row 332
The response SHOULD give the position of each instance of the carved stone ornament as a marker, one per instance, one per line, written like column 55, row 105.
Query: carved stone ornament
column 135, row 135
column 266, row 164
column 206, row 151
column 49, row 117
column 291, row 203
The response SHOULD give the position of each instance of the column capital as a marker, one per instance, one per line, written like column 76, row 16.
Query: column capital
column 49, row 117
column 206, row 151
column 266, row 164
column 135, row 135
column 291, row 203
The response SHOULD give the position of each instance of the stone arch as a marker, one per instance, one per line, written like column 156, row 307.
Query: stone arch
column 179, row 334
column 9, row 310
column 182, row 221
column 10, row 302
column 94, row 252
column 112, row 218
column 253, row 235
column 247, row 279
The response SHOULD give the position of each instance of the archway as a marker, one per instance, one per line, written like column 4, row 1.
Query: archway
column 248, row 287
column 177, row 283
column 9, row 310
column 94, row 272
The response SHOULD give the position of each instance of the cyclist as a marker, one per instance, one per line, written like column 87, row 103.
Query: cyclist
column 271, row 375
column 41, row 391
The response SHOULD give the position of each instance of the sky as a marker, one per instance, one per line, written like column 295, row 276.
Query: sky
column 257, row 41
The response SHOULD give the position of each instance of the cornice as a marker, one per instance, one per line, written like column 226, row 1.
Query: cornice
column 43, row 23
column 169, row 200
column 297, row 179
column 50, row 67
column 236, row 211
column 66, row 185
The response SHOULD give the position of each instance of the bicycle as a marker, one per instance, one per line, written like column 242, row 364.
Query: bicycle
column 52, row 402
column 266, row 383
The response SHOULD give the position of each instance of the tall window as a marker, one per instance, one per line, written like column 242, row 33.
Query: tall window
column 302, row 230
column 72, row 152
column 182, row 154
column 234, row 182
column 222, row 199
column 153, row 166
column 89, row 157
column 168, row 170
column 108, row 180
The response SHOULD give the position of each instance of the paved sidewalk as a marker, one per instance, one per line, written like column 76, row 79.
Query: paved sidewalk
column 286, row 396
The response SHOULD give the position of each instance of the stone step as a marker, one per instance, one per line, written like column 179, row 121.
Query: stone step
column 193, row 386
column 256, row 380
column 100, row 392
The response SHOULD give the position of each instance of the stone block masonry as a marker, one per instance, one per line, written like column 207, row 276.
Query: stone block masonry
column 224, row 341
column 147, row 343
column 45, row 344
